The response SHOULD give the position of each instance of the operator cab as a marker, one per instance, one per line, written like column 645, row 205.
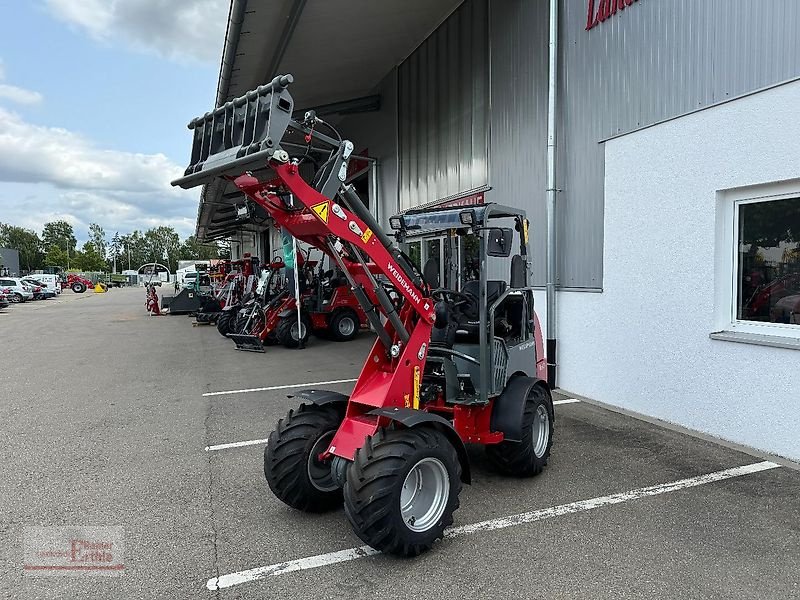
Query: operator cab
column 485, row 328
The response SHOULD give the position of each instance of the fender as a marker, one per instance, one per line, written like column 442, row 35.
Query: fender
column 509, row 406
column 411, row 418
column 322, row 397
column 288, row 312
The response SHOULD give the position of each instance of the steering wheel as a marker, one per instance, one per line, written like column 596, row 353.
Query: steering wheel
column 456, row 299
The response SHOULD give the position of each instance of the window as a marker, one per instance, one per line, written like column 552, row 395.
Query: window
column 768, row 261
column 757, row 266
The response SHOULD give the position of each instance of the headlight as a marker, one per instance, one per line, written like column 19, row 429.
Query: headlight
column 396, row 223
column 467, row 217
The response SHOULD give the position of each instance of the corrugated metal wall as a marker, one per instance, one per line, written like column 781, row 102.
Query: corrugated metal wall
column 519, row 115
column 443, row 110
column 655, row 60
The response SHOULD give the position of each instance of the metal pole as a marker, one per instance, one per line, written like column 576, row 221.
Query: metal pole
column 551, row 193
column 297, row 294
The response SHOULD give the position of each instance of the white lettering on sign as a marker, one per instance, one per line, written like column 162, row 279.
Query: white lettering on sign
column 401, row 281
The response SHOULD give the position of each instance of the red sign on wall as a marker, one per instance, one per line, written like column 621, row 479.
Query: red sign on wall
column 600, row 10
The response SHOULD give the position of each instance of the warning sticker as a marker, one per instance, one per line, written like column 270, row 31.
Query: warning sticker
column 322, row 210
column 367, row 235
column 415, row 404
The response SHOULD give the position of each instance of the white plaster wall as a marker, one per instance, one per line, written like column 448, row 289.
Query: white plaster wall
column 643, row 343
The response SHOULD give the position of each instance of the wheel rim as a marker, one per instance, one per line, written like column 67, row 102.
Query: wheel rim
column 540, row 430
column 319, row 471
column 346, row 326
column 424, row 495
column 295, row 331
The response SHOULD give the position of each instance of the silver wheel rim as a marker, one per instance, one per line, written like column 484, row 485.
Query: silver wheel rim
column 295, row 330
column 346, row 326
column 424, row 495
column 319, row 472
column 540, row 430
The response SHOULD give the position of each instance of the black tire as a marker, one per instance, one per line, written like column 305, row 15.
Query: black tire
column 344, row 325
column 17, row 298
column 289, row 459
column 78, row 287
column 286, row 331
column 376, row 479
column 225, row 322
column 529, row 456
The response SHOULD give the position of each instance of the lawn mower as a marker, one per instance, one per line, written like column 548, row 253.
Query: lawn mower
column 450, row 365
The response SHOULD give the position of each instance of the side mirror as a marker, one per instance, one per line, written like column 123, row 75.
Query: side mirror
column 499, row 242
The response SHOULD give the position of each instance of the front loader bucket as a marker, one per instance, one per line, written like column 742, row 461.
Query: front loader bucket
column 250, row 343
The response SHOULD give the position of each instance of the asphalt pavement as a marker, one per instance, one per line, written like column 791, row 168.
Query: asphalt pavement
column 111, row 418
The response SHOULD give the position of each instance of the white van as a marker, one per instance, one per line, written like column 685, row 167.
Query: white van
column 53, row 282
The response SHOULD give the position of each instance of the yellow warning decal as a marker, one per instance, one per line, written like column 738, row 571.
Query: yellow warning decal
column 322, row 209
column 525, row 229
column 367, row 235
column 407, row 400
column 416, row 387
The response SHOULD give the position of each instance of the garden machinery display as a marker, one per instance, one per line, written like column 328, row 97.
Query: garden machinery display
column 450, row 366
column 328, row 308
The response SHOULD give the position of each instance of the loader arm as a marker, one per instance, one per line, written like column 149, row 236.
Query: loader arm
column 251, row 135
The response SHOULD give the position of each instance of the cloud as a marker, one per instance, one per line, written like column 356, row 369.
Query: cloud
column 18, row 94
column 175, row 29
column 35, row 154
column 14, row 93
column 53, row 173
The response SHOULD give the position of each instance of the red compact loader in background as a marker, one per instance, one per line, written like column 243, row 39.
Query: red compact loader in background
column 454, row 364
column 327, row 308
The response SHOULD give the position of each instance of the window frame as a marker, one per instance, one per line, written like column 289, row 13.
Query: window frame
column 729, row 203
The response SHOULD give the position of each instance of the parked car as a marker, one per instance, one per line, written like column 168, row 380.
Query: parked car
column 4, row 301
column 40, row 289
column 20, row 292
column 50, row 281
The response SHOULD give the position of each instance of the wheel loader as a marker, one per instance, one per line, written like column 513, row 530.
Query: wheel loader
column 458, row 357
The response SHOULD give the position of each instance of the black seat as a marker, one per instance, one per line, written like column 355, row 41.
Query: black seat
column 469, row 327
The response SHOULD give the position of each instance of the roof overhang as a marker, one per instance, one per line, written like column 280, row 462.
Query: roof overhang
column 337, row 50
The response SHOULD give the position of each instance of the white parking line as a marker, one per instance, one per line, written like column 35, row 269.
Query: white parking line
column 322, row 560
column 235, row 445
column 257, row 442
column 279, row 387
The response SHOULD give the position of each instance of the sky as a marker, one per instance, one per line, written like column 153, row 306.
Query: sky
column 95, row 96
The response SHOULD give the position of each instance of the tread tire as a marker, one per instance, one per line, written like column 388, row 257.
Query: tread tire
column 287, row 453
column 374, row 482
column 518, row 459
column 283, row 332
column 340, row 316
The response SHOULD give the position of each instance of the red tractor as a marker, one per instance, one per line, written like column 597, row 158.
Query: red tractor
column 455, row 362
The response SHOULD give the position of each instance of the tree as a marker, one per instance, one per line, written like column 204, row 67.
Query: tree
column 88, row 259
column 163, row 245
column 26, row 242
column 59, row 233
column 192, row 249
column 98, row 238
column 56, row 256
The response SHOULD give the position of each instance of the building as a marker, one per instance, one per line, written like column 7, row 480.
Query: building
column 9, row 262
column 676, row 254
